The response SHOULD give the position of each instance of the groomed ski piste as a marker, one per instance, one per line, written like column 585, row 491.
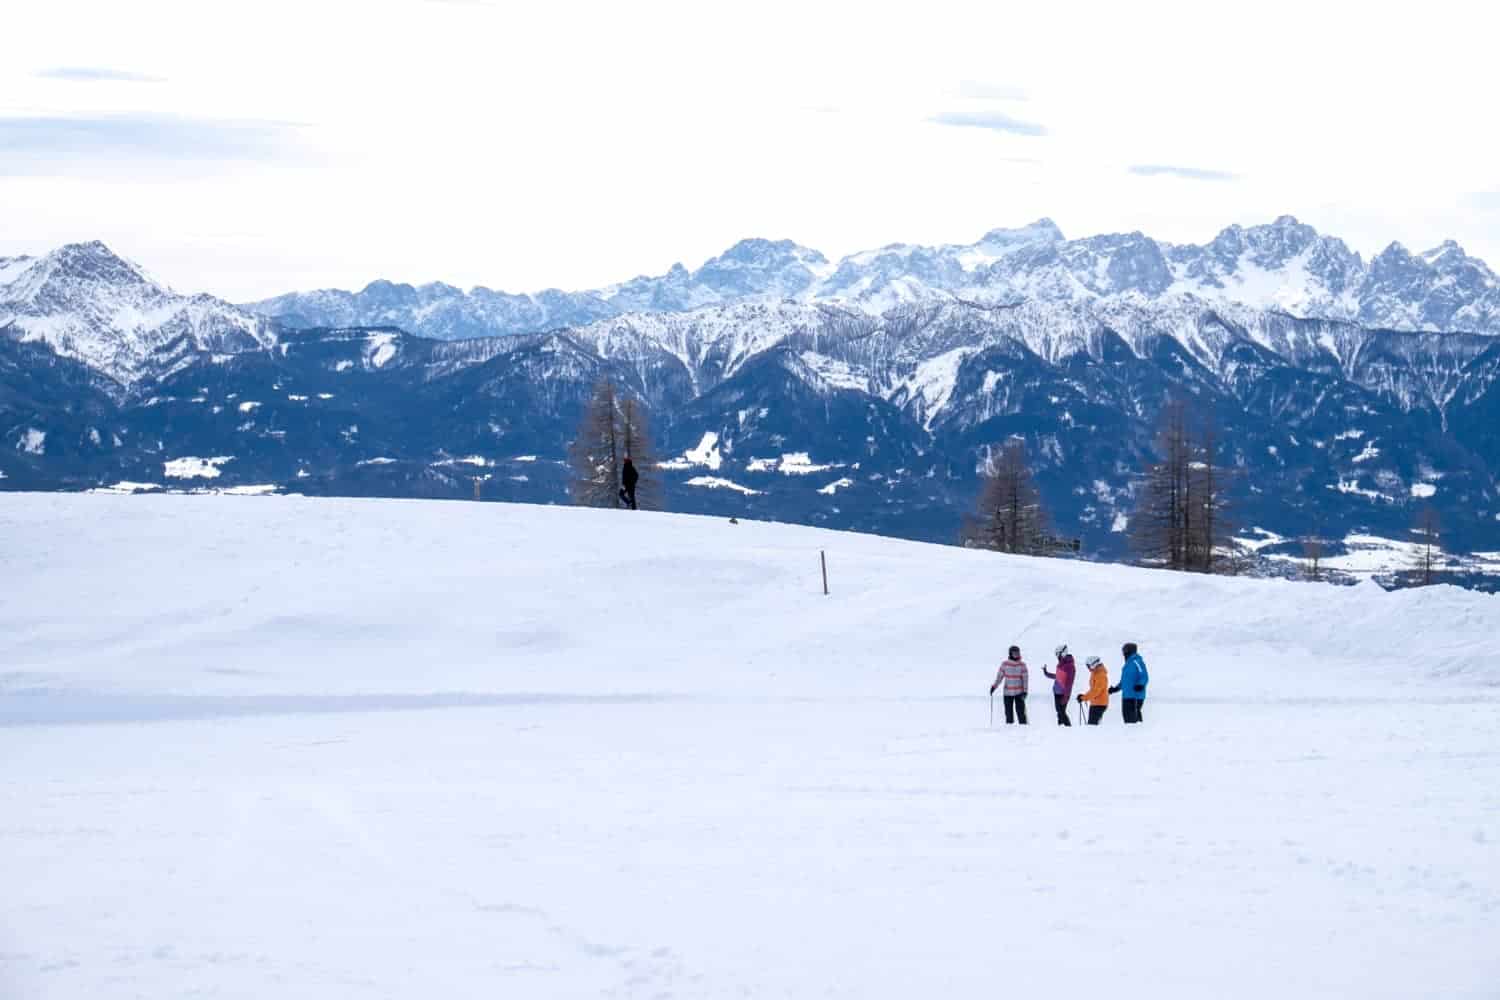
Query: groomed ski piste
column 287, row 747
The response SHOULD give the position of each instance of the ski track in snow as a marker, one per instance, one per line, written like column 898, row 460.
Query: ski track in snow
column 343, row 748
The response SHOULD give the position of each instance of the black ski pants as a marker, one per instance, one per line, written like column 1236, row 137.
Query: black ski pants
column 627, row 496
column 1061, row 701
column 1015, row 705
column 1131, row 708
column 1096, row 712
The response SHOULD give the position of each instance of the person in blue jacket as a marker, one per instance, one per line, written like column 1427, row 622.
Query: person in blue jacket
column 1132, row 686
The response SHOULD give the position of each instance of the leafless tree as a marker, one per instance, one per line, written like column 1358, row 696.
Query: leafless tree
column 1208, row 527
column 1427, row 562
column 635, row 437
column 596, row 453
column 1312, row 556
column 1180, row 521
column 1009, row 516
column 1156, row 529
column 614, row 426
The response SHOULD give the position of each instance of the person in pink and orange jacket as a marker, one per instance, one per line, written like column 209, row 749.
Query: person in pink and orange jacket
column 1016, row 677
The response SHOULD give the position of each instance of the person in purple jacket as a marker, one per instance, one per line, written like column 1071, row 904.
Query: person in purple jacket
column 1062, row 683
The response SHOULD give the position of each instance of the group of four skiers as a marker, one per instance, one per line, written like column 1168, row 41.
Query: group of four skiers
column 1015, row 677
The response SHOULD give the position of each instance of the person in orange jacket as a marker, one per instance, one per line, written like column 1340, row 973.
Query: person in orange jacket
column 1097, row 696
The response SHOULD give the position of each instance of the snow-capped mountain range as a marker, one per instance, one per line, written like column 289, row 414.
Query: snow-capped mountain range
column 88, row 303
column 1285, row 266
column 778, row 390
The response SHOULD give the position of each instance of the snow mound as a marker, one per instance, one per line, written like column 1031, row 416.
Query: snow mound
column 191, row 467
column 719, row 483
column 705, row 454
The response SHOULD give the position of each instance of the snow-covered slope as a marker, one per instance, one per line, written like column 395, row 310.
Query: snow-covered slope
column 364, row 749
column 1284, row 266
column 88, row 303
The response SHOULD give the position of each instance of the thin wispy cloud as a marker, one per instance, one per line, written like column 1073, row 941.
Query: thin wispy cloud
column 70, row 143
column 980, row 91
column 1186, row 173
column 994, row 121
column 97, row 74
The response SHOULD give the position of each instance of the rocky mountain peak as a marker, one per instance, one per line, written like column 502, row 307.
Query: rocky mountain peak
column 1043, row 230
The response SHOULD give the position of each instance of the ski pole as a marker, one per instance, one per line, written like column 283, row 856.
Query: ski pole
column 992, row 710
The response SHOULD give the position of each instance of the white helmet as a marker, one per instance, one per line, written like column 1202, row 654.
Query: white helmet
column 1093, row 661
column 1062, row 651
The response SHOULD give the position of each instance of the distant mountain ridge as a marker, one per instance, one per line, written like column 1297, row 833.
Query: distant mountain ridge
column 1283, row 266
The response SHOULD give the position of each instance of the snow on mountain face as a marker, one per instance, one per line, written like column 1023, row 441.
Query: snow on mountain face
column 1442, row 289
column 781, row 269
column 1285, row 266
column 87, row 303
column 751, row 269
column 436, row 309
column 711, row 343
column 913, row 357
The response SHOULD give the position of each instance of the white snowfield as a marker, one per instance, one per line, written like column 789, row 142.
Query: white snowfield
column 286, row 747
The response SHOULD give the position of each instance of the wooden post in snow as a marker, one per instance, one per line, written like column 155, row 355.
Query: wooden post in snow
column 823, row 558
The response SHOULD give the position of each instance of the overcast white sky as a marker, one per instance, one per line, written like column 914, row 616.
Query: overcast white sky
column 248, row 149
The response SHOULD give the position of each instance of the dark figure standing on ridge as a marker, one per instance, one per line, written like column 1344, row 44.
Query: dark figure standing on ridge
column 628, row 478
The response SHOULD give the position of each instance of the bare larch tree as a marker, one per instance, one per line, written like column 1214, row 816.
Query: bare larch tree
column 1208, row 526
column 1312, row 557
column 1156, row 529
column 596, row 453
column 1180, row 521
column 1009, row 515
column 1427, row 560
